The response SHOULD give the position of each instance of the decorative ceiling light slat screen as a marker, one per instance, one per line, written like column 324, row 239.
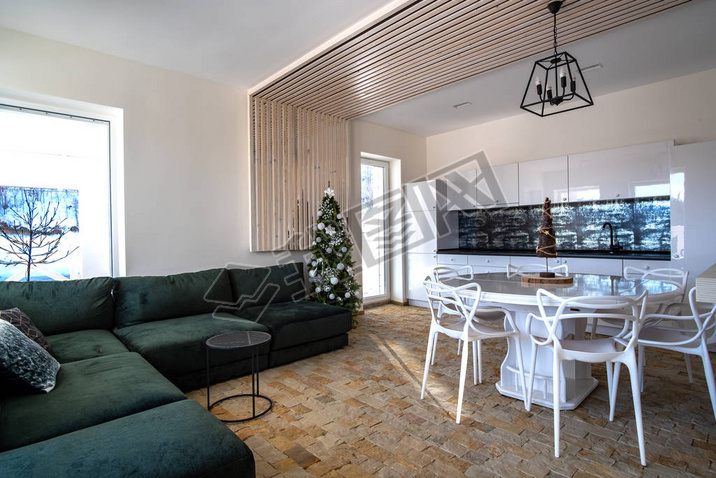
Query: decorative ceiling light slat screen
column 296, row 154
column 428, row 44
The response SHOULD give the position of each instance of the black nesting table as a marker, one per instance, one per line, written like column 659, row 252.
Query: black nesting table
column 233, row 341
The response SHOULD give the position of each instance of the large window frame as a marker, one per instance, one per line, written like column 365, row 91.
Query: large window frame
column 36, row 102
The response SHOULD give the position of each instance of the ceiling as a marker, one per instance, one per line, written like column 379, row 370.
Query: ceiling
column 242, row 42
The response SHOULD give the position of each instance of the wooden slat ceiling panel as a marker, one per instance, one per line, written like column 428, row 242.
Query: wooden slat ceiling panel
column 429, row 44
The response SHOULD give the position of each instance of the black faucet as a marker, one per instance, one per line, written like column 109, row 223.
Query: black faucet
column 612, row 247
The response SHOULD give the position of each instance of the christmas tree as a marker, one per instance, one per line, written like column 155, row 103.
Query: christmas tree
column 331, row 271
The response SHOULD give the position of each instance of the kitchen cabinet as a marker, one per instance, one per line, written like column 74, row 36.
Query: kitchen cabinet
column 635, row 171
column 543, row 178
column 421, row 232
column 452, row 260
column 418, row 266
column 612, row 267
column 485, row 264
column 428, row 226
column 648, row 265
column 421, row 196
column 498, row 186
column 461, row 193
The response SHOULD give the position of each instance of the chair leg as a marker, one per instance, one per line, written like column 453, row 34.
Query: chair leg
column 687, row 359
column 642, row 361
column 610, row 383
column 709, row 373
column 476, row 362
column 459, row 346
column 479, row 359
column 594, row 321
column 613, row 390
column 431, row 338
column 435, row 347
column 630, row 362
column 463, row 374
column 556, row 365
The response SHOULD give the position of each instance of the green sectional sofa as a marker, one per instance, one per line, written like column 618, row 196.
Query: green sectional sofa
column 128, row 346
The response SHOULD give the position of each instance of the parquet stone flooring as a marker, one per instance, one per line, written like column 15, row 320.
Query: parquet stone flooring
column 357, row 412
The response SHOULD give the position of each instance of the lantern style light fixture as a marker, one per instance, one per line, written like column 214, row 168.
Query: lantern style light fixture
column 556, row 84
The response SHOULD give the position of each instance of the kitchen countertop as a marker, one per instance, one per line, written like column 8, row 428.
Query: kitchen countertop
column 639, row 255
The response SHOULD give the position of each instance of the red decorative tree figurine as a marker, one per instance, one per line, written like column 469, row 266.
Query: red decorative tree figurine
column 547, row 246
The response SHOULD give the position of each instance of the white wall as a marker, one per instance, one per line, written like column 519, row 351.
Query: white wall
column 185, row 150
column 682, row 109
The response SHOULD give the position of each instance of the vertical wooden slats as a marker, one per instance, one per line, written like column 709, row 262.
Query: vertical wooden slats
column 295, row 154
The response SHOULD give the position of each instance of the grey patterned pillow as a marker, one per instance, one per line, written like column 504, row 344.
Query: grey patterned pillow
column 24, row 365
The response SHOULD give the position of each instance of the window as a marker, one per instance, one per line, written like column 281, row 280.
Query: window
column 55, row 207
column 375, row 205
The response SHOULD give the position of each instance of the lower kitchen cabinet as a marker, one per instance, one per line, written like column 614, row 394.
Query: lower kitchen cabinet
column 418, row 267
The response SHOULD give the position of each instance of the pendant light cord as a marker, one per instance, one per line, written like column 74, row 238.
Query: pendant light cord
column 555, row 33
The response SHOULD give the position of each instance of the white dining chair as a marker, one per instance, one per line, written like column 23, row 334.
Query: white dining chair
column 677, row 277
column 470, row 330
column 561, row 270
column 688, row 334
column 615, row 350
column 442, row 272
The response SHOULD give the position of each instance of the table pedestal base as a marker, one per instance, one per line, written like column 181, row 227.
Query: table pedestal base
column 582, row 388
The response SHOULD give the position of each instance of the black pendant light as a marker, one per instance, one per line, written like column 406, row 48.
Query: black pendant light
column 556, row 84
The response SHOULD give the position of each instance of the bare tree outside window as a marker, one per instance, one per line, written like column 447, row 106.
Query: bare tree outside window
column 33, row 223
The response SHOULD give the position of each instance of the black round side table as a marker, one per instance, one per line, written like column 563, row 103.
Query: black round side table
column 233, row 341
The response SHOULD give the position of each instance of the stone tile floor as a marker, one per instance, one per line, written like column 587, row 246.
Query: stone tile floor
column 357, row 412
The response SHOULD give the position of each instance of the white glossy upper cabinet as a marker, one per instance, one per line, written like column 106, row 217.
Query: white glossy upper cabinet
column 543, row 178
column 634, row 171
column 461, row 192
column 421, row 196
column 498, row 186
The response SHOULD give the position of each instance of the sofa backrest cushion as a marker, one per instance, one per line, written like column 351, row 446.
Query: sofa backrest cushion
column 263, row 285
column 62, row 306
column 148, row 298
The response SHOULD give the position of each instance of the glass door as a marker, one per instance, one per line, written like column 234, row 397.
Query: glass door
column 375, row 202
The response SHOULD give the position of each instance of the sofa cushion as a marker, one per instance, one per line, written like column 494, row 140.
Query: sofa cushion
column 20, row 320
column 295, row 323
column 85, row 344
column 24, row 365
column 149, row 298
column 264, row 285
column 62, row 306
column 178, row 439
column 88, row 392
column 177, row 346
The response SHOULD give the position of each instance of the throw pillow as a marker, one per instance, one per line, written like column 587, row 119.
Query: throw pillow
column 24, row 365
column 20, row 320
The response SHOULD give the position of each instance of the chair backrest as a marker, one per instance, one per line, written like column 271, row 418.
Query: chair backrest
column 441, row 272
column 587, row 307
column 677, row 277
column 704, row 323
column 444, row 297
column 535, row 268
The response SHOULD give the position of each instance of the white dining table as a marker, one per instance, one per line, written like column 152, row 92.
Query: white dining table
column 520, row 299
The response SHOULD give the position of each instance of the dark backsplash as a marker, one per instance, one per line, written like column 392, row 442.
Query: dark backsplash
column 642, row 224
